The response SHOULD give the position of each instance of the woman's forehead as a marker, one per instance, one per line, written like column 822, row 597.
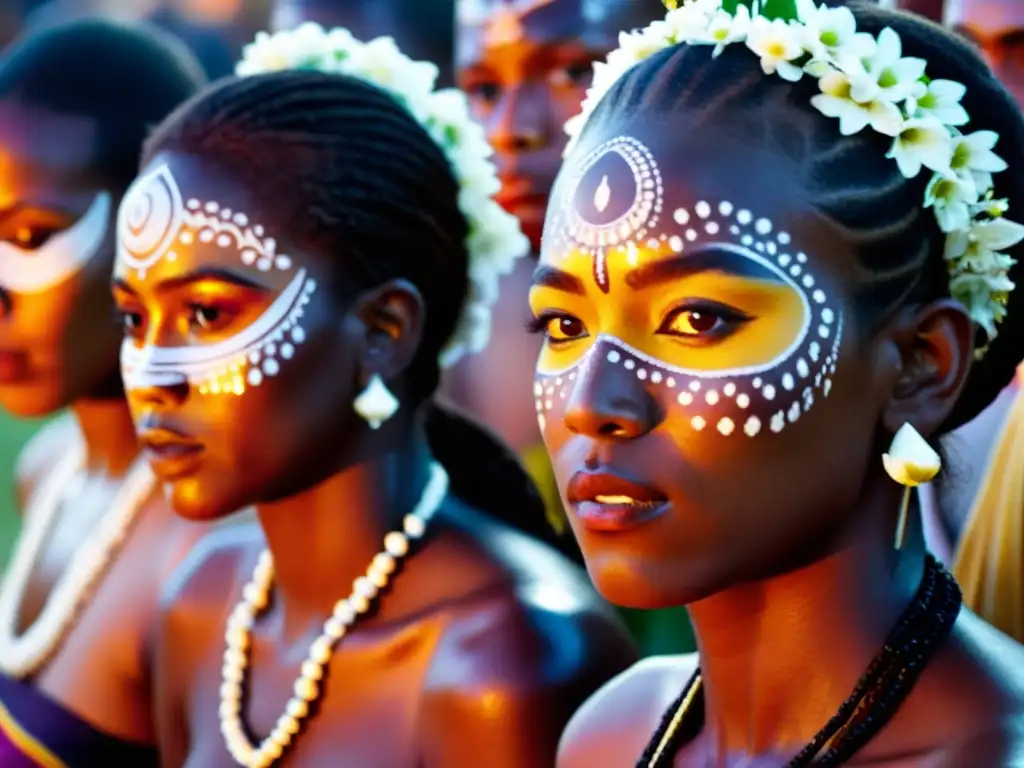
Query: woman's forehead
column 635, row 190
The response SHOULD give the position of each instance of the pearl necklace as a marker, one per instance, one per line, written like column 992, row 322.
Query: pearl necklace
column 21, row 656
column 307, row 688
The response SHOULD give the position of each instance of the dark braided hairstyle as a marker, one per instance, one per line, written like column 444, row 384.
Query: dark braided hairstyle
column 849, row 178
column 349, row 174
column 125, row 77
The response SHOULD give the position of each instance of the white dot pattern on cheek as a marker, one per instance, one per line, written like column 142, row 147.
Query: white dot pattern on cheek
column 152, row 220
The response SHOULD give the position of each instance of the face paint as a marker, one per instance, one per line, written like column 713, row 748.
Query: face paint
column 63, row 255
column 152, row 221
column 615, row 263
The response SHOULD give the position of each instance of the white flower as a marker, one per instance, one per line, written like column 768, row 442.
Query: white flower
column 830, row 34
column 973, row 156
column 886, row 74
column 637, row 46
column 835, row 100
column 984, row 296
column 724, row 29
column 953, row 198
column 777, row 44
column 939, row 99
column 923, row 141
column 691, row 20
column 993, row 236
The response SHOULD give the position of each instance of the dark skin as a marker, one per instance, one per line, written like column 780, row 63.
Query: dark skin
column 523, row 88
column 60, row 351
column 422, row 31
column 783, row 569
column 484, row 644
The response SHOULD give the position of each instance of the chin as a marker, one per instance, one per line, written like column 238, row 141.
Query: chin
column 198, row 501
column 632, row 580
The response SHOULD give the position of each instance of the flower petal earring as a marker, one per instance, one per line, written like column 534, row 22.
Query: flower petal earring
column 375, row 403
column 910, row 462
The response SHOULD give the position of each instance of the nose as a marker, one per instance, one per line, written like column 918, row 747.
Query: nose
column 610, row 403
column 521, row 121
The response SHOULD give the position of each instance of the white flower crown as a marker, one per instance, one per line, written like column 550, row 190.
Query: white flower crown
column 864, row 81
column 495, row 239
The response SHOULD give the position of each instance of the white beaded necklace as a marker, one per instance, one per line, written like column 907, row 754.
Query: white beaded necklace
column 23, row 655
column 307, row 689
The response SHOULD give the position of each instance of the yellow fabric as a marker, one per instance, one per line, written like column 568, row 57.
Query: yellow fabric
column 538, row 467
column 989, row 562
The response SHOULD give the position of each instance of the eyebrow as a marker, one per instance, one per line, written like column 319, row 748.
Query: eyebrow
column 551, row 277
column 720, row 257
column 196, row 276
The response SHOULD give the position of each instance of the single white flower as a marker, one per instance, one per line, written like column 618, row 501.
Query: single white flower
column 990, row 206
column 984, row 297
column 724, row 29
column 690, row 20
column 830, row 34
column 777, row 44
column 836, row 100
column 641, row 44
column 939, row 99
column 973, row 155
column 923, row 141
column 993, row 235
column 910, row 461
column 952, row 197
column 889, row 75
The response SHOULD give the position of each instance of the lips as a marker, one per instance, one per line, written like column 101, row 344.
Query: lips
column 14, row 366
column 609, row 502
column 171, row 453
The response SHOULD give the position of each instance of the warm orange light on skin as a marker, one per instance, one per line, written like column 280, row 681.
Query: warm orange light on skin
column 776, row 313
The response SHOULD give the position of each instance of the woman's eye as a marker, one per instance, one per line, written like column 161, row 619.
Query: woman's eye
column 205, row 317
column 702, row 322
column 575, row 75
column 485, row 91
column 564, row 328
column 132, row 321
column 31, row 238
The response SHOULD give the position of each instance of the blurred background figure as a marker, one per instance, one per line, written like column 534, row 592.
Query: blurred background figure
column 526, row 65
column 421, row 28
column 997, row 28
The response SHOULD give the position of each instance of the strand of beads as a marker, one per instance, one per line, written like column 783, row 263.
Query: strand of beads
column 308, row 687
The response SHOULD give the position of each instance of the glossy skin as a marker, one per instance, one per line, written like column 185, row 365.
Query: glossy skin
column 522, row 89
column 676, row 372
column 60, row 351
column 997, row 26
column 485, row 643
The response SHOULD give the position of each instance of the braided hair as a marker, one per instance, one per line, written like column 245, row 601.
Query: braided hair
column 350, row 174
column 124, row 77
column 849, row 178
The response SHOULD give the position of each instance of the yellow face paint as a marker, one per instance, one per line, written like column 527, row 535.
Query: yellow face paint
column 703, row 299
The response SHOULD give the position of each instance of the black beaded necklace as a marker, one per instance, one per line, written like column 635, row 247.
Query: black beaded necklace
column 921, row 629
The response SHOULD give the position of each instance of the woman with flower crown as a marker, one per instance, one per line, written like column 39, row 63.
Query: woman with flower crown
column 303, row 250
column 774, row 268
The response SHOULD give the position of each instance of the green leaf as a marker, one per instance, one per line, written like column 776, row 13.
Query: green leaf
column 770, row 9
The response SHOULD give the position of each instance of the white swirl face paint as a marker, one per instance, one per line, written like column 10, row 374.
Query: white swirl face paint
column 153, row 220
column 616, row 211
column 59, row 258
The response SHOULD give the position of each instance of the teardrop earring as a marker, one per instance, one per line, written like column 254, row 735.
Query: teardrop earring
column 375, row 403
column 910, row 462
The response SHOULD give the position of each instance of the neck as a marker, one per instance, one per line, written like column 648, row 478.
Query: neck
column 323, row 538
column 779, row 656
column 109, row 435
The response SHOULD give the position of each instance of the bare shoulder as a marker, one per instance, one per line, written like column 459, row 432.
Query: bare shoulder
column 615, row 724
column 38, row 456
column 194, row 597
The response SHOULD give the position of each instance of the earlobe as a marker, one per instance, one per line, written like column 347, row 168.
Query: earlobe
column 392, row 318
column 937, row 349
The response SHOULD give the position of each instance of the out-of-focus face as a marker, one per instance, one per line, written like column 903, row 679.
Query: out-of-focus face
column 997, row 26
column 526, row 65
column 700, row 390
column 238, row 369
column 58, row 341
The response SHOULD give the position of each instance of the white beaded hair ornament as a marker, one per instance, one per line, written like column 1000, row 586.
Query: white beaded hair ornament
column 865, row 82
column 495, row 238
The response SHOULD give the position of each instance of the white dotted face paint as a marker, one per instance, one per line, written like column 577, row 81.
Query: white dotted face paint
column 611, row 209
column 153, row 220
column 60, row 257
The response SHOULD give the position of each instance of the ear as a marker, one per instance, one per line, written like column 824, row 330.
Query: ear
column 392, row 317
column 936, row 344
